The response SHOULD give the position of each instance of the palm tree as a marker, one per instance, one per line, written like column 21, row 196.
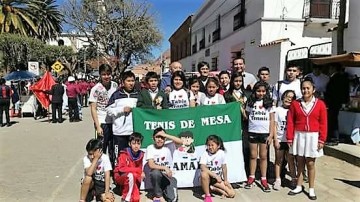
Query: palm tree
column 47, row 18
column 14, row 18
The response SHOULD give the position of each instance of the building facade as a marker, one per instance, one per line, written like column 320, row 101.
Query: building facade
column 261, row 31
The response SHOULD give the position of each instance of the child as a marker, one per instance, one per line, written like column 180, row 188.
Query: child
column 195, row 94
column 237, row 92
column 159, row 159
column 212, row 96
column 224, row 77
column 97, row 173
column 306, row 133
column 128, row 173
column 178, row 97
column 260, row 116
column 120, row 110
column 99, row 98
column 280, row 142
column 214, row 170
column 152, row 98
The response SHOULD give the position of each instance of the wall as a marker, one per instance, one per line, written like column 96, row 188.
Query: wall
column 283, row 8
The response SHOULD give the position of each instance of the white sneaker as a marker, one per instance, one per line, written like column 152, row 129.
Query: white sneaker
column 277, row 185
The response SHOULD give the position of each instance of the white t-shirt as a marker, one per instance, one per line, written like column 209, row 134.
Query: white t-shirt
column 216, row 99
column 101, row 96
column 280, row 121
column 249, row 79
column 198, row 97
column 286, row 85
column 161, row 157
column 214, row 161
column 259, row 117
column 102, row 166
column 178, row 99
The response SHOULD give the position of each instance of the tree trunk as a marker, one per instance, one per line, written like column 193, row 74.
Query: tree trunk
column 340, row 28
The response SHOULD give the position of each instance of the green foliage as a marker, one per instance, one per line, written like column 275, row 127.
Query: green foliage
column 18, row 50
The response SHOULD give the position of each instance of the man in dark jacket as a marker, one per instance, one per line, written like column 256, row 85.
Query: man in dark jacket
column 5, row 94
column 336, row 94
column 57, row 92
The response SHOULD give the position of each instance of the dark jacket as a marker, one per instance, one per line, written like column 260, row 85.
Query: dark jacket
column 145, row 101
column 57, row 92
column 337, row 90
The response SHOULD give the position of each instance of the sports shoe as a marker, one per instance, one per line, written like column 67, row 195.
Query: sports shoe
column 155, row 199
column 208, row 198
column 249, row 183
column 265, row 185
column 277, row 185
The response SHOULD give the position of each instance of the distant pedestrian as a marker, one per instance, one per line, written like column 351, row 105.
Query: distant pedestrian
column 72, row 92
column 5, row 95
column 57, row 92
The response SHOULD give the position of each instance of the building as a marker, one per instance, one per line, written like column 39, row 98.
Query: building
column 261, row 31
column 74, row 40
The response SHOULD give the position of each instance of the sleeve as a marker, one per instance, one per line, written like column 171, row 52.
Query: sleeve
column 224, row 158
column 140, row 102
column 290, row 128
column 86, row 162
column 123, row 165
column 93, row 95
column 323, row 123
column 203, row 158
column 113, row 110
column 164, row 83
column 275, row 93
column 149, row 153
column 165, row 102
column 107, row 164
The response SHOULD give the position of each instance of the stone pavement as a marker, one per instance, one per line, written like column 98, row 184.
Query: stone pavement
column 41, row 161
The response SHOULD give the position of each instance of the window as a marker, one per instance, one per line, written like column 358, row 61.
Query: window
column 216, row 33
column 320, row 8
column 214, row 64
column 193, row 68
column 239, row 18
column 194, row 46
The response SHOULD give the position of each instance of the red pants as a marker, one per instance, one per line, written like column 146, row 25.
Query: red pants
column 130, row 183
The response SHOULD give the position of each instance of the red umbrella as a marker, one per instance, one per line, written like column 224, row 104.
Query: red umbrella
column 45, row 83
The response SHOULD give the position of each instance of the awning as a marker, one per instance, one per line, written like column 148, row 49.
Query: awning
column 351, row 59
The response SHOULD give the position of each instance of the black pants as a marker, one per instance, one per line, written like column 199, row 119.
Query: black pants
column 4, row 106
column 119, row 143
column 333, row 123
column 73, row 109
column 107, row 139
column 56, row 108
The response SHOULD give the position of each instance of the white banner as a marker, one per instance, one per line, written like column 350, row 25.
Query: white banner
column 33, row 67
column 186, row 168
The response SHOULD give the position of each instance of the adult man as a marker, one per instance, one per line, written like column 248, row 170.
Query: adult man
column 5, row 94
column 291, row 82
column 166, row 78
column 336, row 94
column 239, row 66
column 57, row 92
column 320, row 80
column 203, row 69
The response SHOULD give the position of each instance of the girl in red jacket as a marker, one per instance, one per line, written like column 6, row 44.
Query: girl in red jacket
column 306, row 133
column 129, row 170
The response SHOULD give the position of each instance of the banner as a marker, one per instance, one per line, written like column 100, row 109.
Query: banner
column 202, row 121
column 45, row 83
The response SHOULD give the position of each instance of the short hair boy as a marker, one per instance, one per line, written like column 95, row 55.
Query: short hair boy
column 97, row 169
column 152, row 98
column 160, row 162
column 129, row 171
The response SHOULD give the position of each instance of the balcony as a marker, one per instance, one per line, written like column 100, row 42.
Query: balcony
column 325, row 9
column 216, row 35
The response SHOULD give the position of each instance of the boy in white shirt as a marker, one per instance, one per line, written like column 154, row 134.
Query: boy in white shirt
column 160, row 162
column 97, row 169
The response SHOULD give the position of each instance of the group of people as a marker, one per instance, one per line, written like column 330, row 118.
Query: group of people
column 289, row 114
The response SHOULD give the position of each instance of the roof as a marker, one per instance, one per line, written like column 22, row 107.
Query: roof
column 351, row 59
column 277, row 41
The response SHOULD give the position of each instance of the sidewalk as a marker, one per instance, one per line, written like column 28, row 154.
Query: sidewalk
column 346, row 152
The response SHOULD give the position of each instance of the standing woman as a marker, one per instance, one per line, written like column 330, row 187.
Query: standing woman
column 178, row 97
column 306, row 133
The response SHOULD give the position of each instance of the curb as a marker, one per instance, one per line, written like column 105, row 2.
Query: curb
column 352, row 159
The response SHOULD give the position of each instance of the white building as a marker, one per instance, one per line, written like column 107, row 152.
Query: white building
column 261, row 31
column 74, row 40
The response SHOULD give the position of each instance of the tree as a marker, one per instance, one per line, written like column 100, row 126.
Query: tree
column 19, row 50
column 47, row 18
column 122, row 28
column 37, row 18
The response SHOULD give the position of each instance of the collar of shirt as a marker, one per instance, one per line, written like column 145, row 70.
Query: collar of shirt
column 155, row 91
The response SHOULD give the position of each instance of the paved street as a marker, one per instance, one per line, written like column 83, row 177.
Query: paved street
column 41, row 161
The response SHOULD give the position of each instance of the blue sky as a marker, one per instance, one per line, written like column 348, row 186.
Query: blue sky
column 170, row 15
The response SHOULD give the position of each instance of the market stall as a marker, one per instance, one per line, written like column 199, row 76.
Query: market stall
column 349, row 116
